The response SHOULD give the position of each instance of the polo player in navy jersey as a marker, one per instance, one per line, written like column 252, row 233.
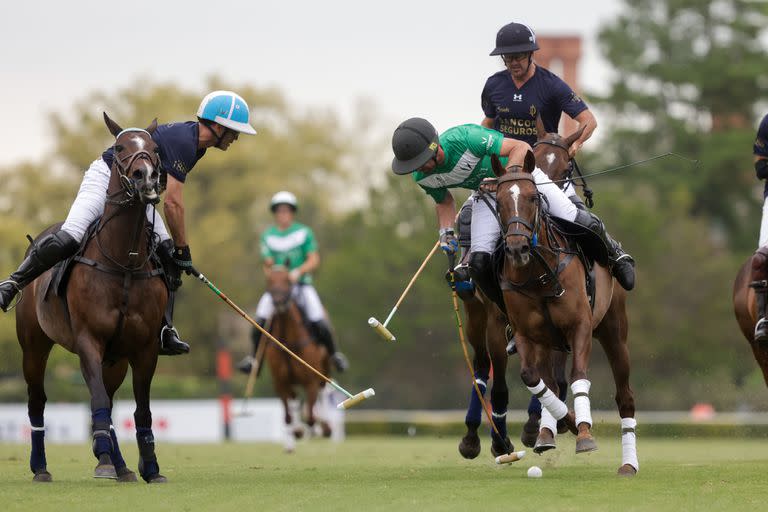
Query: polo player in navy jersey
column 760, row 259
column 221, row 118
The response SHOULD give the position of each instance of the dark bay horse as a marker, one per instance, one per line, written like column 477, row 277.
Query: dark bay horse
column 288, row 326
column 110, row 316
column 745, row 307
column 546, row 299
column 485, row 333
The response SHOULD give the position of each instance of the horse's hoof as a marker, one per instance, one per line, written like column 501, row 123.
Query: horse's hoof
column 544, row 442
column 585, row 443
column 325, row 430
column 469, row 447
column 42, row 476
column 157, row 479
column 501, row 448
column 126, row 475
column 627, row 470
column 530, row 431
column 105, row 471
column 298, row 433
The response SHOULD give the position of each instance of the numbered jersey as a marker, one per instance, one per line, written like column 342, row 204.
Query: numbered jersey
column 289, row 247
column 468, row 149
column 514, row 109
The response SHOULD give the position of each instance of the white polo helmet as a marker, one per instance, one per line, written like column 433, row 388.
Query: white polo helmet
column 283, row 197
column 228, row 109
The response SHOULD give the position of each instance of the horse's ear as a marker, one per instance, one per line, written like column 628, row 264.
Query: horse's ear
column 114, row 128
column 574, row 136
column 530, row 161
column 498, row 169
column 540, row 130
column 152, row 126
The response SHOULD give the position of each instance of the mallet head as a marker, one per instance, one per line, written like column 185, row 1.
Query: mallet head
column 381, row 330
column 351, row 402
column 508, row 458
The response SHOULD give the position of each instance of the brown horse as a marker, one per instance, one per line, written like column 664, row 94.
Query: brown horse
column 745, row 307
column 485, row 333
column 545, row 294
column 110, row 315
column 287, row 374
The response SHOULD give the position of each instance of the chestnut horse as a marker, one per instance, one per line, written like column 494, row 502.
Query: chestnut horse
column 746, row 314
column 288, row 326
column 543, row 281
column 110, row 315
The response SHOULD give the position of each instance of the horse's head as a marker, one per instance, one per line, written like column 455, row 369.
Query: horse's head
column 279, row 287
column 551, row 151
column 137, row 160
column 519, row 205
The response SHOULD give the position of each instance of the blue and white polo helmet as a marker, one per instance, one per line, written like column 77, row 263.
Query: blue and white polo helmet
column 227, row 109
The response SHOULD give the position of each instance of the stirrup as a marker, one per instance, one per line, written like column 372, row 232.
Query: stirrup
column 19, row 294
column 761, row 324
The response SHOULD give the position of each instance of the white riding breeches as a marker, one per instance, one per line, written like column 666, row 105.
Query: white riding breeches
column 485, row 226
column 764, row 226
column 305, row 296
column 90, row 200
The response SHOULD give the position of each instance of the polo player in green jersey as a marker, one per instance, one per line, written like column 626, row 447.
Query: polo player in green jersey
column 291, row 243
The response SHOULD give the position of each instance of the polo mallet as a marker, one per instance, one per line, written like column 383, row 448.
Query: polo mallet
column 380, row 328
column 351, row 400
column 501, row 459
column 253, row 375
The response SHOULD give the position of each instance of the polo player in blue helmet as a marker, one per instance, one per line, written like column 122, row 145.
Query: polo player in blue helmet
column 221, row 118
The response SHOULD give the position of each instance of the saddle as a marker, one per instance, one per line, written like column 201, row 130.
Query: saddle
column 60, row 274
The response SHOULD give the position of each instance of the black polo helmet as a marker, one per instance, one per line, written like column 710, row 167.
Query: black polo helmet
column 414, row 143
column 515, row 38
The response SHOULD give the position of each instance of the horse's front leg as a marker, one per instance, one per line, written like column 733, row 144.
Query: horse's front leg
column 143, row 368
column 113, row 378
column 469, row 447
column 535, row 363
column 582, row 347
column 91, row 357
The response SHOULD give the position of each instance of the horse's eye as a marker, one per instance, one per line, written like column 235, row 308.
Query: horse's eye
column 118, row 148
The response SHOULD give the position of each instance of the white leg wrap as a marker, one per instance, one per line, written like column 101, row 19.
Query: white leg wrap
column 549, row 400
column 559, row 204
column 629, row 443
column 548, row 421
column 581, row 407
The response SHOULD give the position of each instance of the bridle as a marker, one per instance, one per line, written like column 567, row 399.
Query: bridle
column 124, row 164
column 532, row 228
column 573, row 166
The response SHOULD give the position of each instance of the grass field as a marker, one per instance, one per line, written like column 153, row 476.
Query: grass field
column 401, row 474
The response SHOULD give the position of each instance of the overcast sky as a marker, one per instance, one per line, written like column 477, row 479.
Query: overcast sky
column 410, row 57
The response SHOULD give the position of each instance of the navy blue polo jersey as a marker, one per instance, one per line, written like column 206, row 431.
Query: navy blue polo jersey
column 178, row 148
column 514, row 110
column 761, row 145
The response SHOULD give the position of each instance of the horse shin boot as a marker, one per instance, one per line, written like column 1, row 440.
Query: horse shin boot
column 44, row 254
column 170, row 342
column 622, row 264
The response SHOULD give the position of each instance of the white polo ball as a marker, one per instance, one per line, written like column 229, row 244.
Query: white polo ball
column 534, row 472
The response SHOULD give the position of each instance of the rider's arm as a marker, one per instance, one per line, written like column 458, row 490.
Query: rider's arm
column 446, row 211
column 588, row 121
column 514, row 150
column 309, row 266
column 487, row 122
column 174, row 211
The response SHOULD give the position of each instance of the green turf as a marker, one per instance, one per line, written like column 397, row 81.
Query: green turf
column 417, row 473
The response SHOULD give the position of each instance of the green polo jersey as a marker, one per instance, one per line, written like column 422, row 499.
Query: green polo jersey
column 291, row 245
column 468, row 149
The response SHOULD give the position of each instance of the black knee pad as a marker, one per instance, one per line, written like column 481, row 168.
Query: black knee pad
column 479, row 264
column 55, row 247
column 464, row 225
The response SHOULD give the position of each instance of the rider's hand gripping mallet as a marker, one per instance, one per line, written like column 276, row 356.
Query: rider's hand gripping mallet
column 382, row 328
column 351, row 400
